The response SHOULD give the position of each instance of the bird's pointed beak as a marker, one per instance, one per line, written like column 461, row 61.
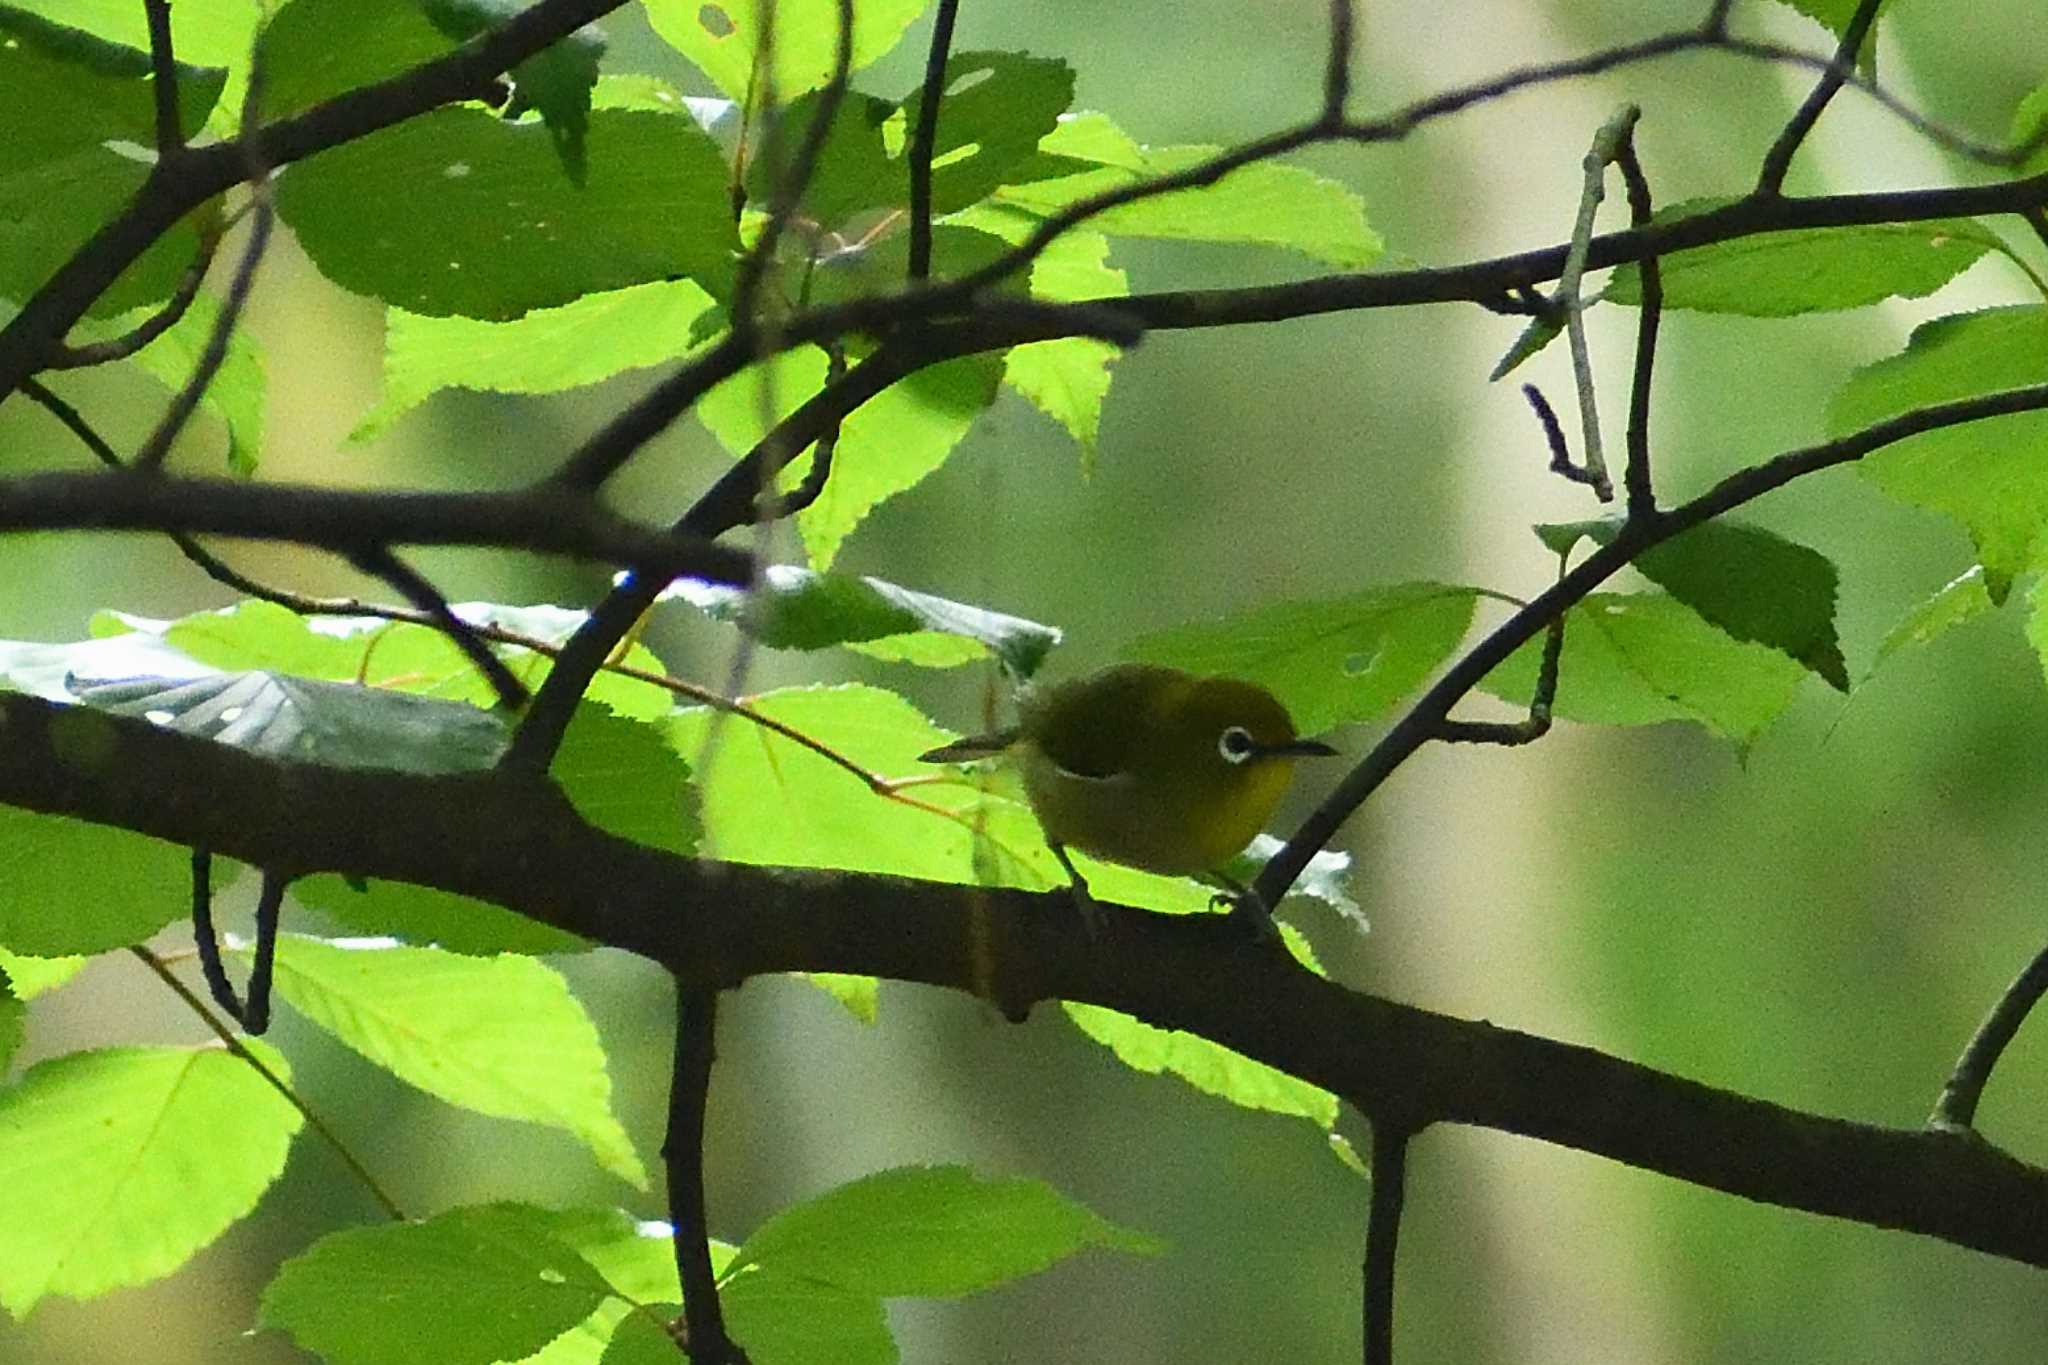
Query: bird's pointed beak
column 1298, row 748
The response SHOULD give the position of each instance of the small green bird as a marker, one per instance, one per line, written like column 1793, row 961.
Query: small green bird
column 1148, row 766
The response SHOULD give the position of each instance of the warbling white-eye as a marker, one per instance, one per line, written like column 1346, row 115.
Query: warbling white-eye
column 1148, row 766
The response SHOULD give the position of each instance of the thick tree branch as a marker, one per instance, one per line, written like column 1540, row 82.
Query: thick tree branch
column 512, row 838
column 349, row 521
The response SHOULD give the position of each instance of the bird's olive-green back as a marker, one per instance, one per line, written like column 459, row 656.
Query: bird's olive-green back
column 1127, row 764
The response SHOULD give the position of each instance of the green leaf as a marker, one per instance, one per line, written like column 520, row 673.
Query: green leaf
column 493, row 229
column 1754, row 584
column 2029, row 120
column 723, row 38
column 216, row 34
column 1263, row 204
column 1991, row 475
column 637, row 1260
column 1068, row 379
column 1962, row 599
column 1638, row 659
column 100, row 1154
column 500, row 1036
column 930, row 1231
column 70, row 887
column 996, row 107
column 622, row 778
column 770, row 801
column 1810, row 270
column 556, row 81
column 856, row 169
column 13, row 1019
column 1209, row 1067
column 426, row 916
column 81, row 119
column 859, row 995
column 888, row 445
column 1332, row 662
column 235, row 394
column 1539, row 333
column 313, row 50
column 790, row 1319
column 396, row 656
column 301, row 720
column 469, row 1287
column 793, row 608
column 31, row 976
column 547, row 351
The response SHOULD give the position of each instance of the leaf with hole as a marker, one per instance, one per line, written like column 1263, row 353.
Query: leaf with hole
column 1332, row 662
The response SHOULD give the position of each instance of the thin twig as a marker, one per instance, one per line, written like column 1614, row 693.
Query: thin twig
column 415, row 588
column 792, row 181
column 63, row 357
column 1382, row 1236
column 269, row 905
column 924, row 137
column 163, row 67
column 1605, row 142
column 203, row 559
column 683, row 1152
column 1778, row 160
column 206, row 941
column 1956, row 1110
column 1530, row 728
column 1635, row 475
column 1561, row 462
column 151, row 455
column 822, row 451
column 235, row 1046
column 1337, row 67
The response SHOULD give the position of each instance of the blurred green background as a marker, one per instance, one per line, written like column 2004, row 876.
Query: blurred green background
column 1819, row 921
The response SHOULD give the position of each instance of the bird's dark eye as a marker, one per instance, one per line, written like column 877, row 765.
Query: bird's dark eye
column 1235, row 744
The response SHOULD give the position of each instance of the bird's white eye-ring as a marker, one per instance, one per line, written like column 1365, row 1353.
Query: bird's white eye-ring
column 1235, row 744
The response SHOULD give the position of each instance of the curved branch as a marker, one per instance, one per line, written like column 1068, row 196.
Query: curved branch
column 513, row 839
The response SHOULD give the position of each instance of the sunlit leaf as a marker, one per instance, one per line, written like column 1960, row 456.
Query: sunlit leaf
column 98, row 1153
column 69, row 887
column 723, row 38
column 548, row 350
column 1209, row 1067
column 501, row 1036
